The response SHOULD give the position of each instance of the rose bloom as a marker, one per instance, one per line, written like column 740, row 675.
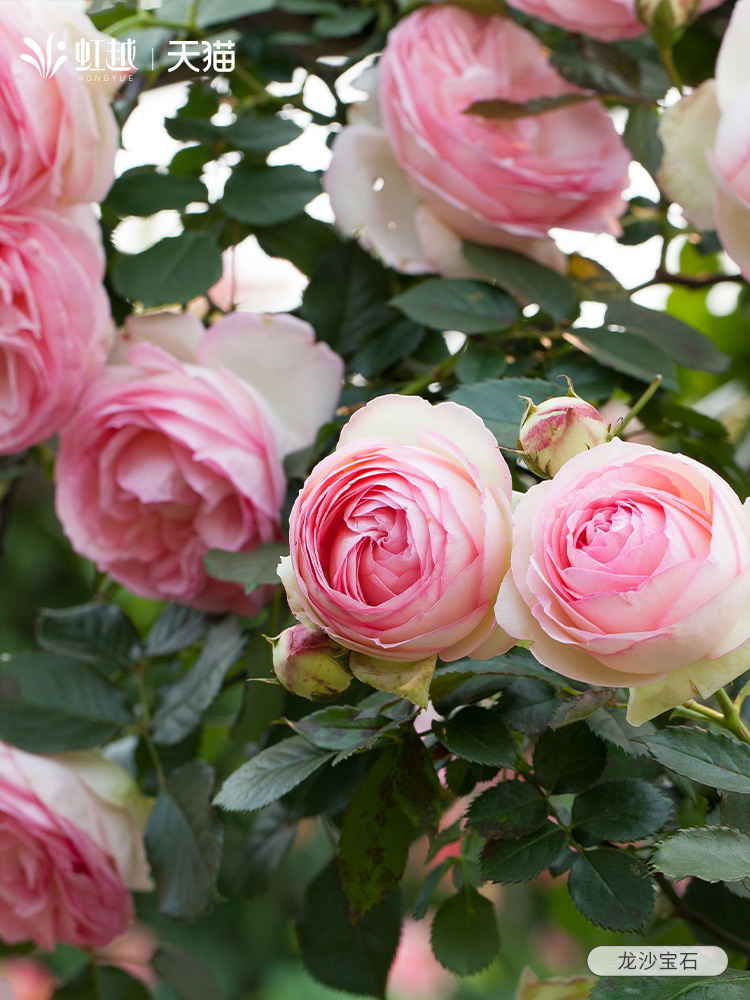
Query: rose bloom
column 706, row 136
column 632, row 567
column 58, row 134
column 55, row 327
column 179, row 451
column 400, row 538
column 26, row 979
column 71, row 847
column 607, row 20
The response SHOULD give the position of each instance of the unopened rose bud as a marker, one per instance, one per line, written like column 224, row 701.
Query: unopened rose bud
column 531, row 988
column 666, row 19
column 556, row 430
column 305, row 662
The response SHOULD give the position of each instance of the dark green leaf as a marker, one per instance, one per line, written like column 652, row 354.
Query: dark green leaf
column 183, row 840
column 713, row 759
column 593, row 282
column 187, row 975
column 387, row 346
column 498, row 403
column 681, row 342
column 735, row 811
column 217, row 11
column 145, row 191
column 375, row 838
column 528, row 705
column 96, row 633
column 525, row 278
column 270, row 774
column 176, row 629
column 458, row 304
column 580, row 707
column 251, row 569
column 301, row 240
column 626, row 352
column 339, row 954
column 114, row 984
column 642, row 138
column 428, row 887
column 612, row 889
column 252, row 856
column 263, row 196
column 175, row 269
column 510, row 809
column 497, row 108
column 416, row 784
column 346, row 21
column 464, row 933
column 259, row 134
column 713, row 853
column 730, row 985
column 479, row 735
column 569, row 759
column 448, row 835
column 50, row 703
column 341, row 727
column 612, row 726
column 184, row 701
column 478, row 362
column 524, row 858
column 622, row 810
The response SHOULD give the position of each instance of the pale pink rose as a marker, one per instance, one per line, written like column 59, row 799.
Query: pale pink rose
column 416, row 974
column 485, row 178
column 71, row 843
column 632, row 567
column 55, row 324
column 179, row 451
column 27, row 979
column 607, row 20
column 400, row 538
column 132, row 952
column 58, row 134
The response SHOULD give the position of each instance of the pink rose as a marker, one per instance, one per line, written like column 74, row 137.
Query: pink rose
column 58, row 134
column 565, row 168
column 607, row 20
column 399, row 541
column 632, row 567
column 55, row 320
column 27, row 979
column 177, row 453
column 71, row 842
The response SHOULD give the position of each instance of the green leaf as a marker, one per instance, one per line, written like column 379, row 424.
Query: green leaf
column 510, row 809
column 416, row 784
column 428, row 887
column 712, row 853
column 114, row 984
column 260, row 134
column 525, row 278
column 49, row 704
column 528, row 705
column 626, row 352
column 342, row 727
column 211, row 12
column 388, row 345
column 681, row 342
column 375, row 838
column 96, row 633
column 569, row 759
column 251, row 569
column 730, row 985
column 735, row 811
column 183, row 840
column 186, row 974
column 340, row 954
column 642, row 138
column 300, row 240
column 524, row 858
column 622, row 810
column 175, row 269
column 479, row 735
column 580, row 707
column 144, row 191
column 497, row 108
column 713, row 759
column 270, row 774
column 263, row 196
column 464, row 933
column 176, row 629
column 498, row 403
column 346, row 21
column 458, row 304
column 183, row 702
column 612, row 889
column 612, row 726
column 251, row 857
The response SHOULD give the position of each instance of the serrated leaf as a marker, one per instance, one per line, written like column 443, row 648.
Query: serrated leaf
column 186, row 974
column 511, row 809
column 458, row 304
column 730, row 985
column 49, row 704
column 520, row 860
column 375, row 838
column 735, row 811
column 416, row 785
column 340, row 954
column 263, row 196
column 183, row 840
column 184, row 701
column 528, row 705
column 681, row 342
column 622, row 810
column 498, row 402
column 569, row 759
column 626, row 352
column 524, row 278
column 612, row 726
column 251, row 569
column 342, row 727
column 174, row 270
column 479, row 735
column 612, row 889
column 580, row 707
column 712, row 853
column 464, row 933
column 96, row 633
column 176, row 629
column 713, row 759
column 270, row 774
column 144, row 191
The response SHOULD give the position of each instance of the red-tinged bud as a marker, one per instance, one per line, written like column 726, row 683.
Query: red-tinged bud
column 309, row 664
column 667, row 19
column 556, row 430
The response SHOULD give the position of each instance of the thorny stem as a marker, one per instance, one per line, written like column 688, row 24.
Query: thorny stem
column 637, row 407
column 732, row 720
column 697, row 919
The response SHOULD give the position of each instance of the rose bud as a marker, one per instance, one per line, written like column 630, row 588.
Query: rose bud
column 304, row 661
column 556, row 430
column 666, row 19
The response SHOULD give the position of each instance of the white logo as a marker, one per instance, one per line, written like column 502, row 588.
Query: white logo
column 42, row 58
